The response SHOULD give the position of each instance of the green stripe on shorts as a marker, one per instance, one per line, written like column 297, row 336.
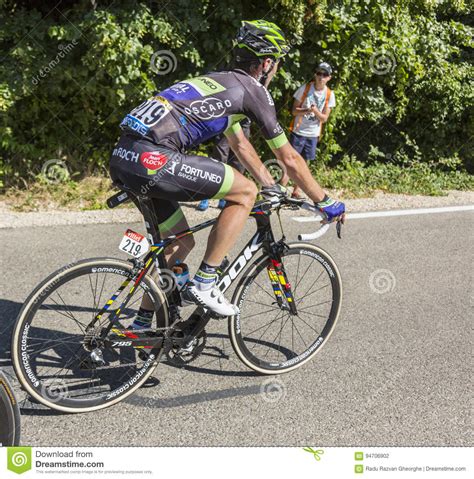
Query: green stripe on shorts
column 172, row 221
column 226, row 184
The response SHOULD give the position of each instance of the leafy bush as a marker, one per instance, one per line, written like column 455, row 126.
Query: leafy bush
column 404, row 78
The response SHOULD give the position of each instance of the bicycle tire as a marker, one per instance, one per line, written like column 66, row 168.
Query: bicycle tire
column 10, row 424
column 40, row 294
column 240, row 341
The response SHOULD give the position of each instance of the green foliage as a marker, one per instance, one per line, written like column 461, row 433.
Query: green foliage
column 404, row 78
column 354, row 178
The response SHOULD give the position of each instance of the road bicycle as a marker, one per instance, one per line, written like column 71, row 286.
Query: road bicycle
column 74, row 351
column 9, row 414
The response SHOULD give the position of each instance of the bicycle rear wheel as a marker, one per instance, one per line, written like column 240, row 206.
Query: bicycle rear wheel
column 9, row 414
column 52, row 340
column 270, row 339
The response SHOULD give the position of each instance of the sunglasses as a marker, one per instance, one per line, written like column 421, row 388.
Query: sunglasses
column 322, row 74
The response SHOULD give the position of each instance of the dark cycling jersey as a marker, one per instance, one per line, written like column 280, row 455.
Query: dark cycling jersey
column 195, row 110
column 151, row 156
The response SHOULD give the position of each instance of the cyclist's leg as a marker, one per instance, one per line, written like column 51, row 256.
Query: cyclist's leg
column 193, row 178
column 169, row 175
column 171, row 220
column 240, row 198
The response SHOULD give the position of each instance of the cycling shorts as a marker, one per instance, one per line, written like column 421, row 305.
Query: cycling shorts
column 168, row 176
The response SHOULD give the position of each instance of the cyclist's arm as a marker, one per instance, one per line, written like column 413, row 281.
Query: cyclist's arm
column 247, row 155
column 298, row 171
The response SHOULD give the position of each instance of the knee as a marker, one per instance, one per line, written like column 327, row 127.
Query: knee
column 249, row 194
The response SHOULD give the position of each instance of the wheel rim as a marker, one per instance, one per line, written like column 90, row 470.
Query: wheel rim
column 270, row 339
column 51, row 346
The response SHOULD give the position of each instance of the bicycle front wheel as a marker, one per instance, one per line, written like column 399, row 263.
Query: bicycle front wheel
column 57, row 346
column 267, row 336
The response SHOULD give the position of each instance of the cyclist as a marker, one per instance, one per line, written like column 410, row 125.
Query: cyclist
column 152, row 156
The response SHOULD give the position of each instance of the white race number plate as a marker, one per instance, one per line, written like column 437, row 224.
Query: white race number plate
column 134, row 244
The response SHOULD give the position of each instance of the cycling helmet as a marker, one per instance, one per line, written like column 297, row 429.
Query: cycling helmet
column 262, row 38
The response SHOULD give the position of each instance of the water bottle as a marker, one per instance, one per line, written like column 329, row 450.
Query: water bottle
column 181, row 274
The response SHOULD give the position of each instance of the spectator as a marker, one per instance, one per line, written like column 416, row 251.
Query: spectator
column 311, row 108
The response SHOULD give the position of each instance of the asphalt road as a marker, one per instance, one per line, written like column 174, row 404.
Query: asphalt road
column 397, row 370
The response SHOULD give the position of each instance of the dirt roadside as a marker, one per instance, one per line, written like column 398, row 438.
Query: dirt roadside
column 381, row 201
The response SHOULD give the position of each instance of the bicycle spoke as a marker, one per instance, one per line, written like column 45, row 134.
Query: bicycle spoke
column 312, row 314
column 100, row 296
column 258, row 329
column 265, row 291
column 49, row 346
column 260, row 338
column 260, row 312
column 279, row 333
column 69, row 313
column 93, row 294
column 309, row 326
column 264, row 304
column 60, row 312
column 315, row 291
column 299, row 334
column 313, row 283
column 304, row 274
column 315, row 305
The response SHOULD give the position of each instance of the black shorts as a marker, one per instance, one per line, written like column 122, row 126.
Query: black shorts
column 168, row 176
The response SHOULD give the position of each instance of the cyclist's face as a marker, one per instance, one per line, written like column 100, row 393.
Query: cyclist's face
column 270, row 66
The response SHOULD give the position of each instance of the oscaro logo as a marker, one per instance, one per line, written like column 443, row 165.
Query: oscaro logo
column 153, row 160
column 208, row 108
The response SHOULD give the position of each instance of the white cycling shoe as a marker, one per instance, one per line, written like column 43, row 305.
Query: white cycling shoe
column 212, row 298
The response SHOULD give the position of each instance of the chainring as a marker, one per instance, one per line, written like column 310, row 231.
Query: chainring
column 180, row 357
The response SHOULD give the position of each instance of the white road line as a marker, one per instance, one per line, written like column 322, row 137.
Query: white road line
column 381, row 214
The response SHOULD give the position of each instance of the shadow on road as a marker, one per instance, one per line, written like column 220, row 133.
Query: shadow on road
column 190, row 399
column 8, row 313
column 213, row 361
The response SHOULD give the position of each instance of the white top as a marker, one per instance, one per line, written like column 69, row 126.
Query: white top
column 309, row 124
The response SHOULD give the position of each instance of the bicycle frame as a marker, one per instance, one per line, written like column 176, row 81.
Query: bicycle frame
column 263, row 238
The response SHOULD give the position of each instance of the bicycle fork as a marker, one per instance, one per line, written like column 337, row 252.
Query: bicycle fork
column 281, row 286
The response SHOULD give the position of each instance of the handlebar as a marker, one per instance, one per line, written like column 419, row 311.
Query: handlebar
column 278, row 201
column 322, row 229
